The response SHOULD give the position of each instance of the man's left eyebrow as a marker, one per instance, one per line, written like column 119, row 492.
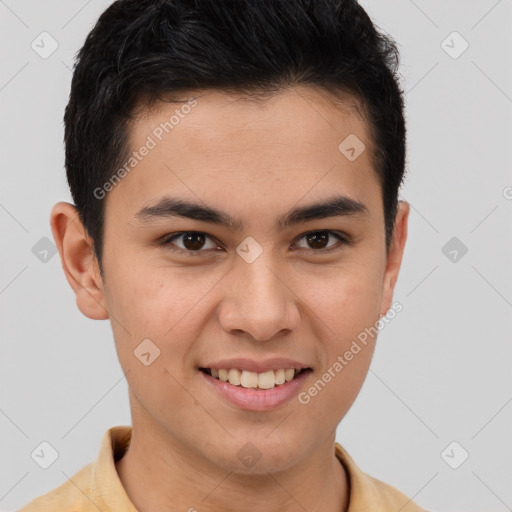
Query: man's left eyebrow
column 336, row 206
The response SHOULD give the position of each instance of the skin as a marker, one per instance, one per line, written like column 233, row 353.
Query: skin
column 241, row 157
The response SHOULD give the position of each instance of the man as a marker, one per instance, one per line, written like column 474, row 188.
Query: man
column 235, row 168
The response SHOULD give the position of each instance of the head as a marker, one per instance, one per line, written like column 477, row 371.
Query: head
column 230, row 106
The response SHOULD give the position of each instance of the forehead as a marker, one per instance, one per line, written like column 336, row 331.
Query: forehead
column 227, row 148
column 210, row 117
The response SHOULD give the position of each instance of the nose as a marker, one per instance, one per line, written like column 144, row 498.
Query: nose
column 258, row 301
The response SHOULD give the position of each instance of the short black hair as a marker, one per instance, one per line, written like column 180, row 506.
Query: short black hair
column 143, row 50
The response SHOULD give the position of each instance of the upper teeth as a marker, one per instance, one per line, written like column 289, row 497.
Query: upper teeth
column 264, row 380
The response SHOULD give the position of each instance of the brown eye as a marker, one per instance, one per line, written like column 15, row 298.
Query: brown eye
column 317, row 241
column 193, row 242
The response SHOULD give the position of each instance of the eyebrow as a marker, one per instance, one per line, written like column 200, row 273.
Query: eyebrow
column 336, row 206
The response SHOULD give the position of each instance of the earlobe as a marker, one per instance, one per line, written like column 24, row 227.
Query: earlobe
column 395, row 254
column 78, row 260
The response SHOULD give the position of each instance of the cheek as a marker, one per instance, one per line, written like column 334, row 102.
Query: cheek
column 154, row 325
column 346, row 310
column 166, row 306
column 346, row 301
column 159, row 301
column 346, row 353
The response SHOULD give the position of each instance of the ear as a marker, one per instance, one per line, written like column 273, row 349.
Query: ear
column 78, row 261
column 394, row 257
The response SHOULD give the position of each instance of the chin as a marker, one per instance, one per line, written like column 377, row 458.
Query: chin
column 253, row 455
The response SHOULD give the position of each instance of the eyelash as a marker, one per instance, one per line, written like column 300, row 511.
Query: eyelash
column 167, row 240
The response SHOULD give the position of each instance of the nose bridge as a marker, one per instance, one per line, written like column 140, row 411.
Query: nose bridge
column 258, row 301
column 260, row 282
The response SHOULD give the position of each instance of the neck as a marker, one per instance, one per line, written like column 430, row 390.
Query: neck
column 158, row 473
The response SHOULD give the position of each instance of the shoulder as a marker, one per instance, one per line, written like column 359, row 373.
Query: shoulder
column 71, row 495
column 94, row 487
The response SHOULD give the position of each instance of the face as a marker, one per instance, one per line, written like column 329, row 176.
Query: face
column 266, row 291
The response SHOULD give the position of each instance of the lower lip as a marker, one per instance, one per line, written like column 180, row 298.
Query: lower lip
column 257, row 400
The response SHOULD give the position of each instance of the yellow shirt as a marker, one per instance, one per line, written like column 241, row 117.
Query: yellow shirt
column 97, row 485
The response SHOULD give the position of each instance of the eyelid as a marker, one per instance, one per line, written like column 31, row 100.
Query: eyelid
column 341, row 236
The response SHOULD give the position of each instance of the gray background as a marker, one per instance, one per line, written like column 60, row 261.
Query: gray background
column 441, row 371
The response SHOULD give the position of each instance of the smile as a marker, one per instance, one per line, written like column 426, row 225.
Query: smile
column 254, row 380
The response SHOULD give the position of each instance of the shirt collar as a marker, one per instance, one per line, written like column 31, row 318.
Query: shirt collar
column 368, row 493
column 107, row 491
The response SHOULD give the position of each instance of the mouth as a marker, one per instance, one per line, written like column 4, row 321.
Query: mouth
column 255, row 380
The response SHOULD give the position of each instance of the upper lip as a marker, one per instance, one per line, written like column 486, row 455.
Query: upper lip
column 252, row 365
